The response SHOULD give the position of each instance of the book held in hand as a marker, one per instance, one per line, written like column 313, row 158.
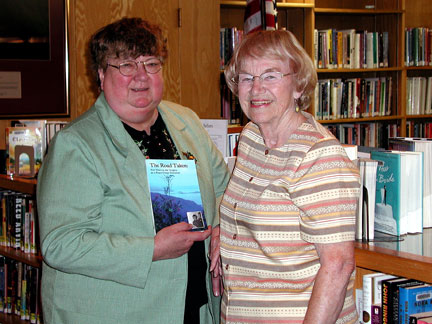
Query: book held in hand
column 175, row 193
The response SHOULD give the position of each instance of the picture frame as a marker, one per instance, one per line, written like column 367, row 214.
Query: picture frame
column 33, row 59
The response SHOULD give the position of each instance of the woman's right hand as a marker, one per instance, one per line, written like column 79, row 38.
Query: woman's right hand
column 175, row 240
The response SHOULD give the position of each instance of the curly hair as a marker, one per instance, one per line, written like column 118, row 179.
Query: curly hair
column 126, row 38
column 279, row 45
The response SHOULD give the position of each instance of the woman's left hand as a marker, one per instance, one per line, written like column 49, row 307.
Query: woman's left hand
column 215, row 261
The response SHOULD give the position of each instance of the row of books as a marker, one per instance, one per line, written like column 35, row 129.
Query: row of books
column 364, row 134
column 230, row 105
column 419, row 96
column 26, row 145
column 18, row 221
column 229, row 38
column 388, row 299
column 418, row 43
column 415, row 128
column 20, row 290
column 396, row 189
column 353, row 98
column 350, row 49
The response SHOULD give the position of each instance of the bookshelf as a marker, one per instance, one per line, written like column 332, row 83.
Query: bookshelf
column 302, row 17
column 411, row 258
column 27, row 186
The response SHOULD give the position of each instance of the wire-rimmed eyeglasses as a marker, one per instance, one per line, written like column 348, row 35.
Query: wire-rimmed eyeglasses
column 129, row 68
column 267, row 78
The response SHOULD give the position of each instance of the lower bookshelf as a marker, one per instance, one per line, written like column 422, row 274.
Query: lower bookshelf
column 11, row 319
column 411, row 258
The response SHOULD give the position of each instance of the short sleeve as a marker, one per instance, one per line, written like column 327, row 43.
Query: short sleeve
column 326, row 192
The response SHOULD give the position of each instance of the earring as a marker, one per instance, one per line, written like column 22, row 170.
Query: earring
column 297, row 108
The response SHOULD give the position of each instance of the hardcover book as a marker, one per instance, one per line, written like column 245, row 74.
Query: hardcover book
column 419, row 145
column 366, row 207
column 399, row 192
column 25, row 151
column 390, row 298
column 175, row 193
column 368, row 296
column 413, row 300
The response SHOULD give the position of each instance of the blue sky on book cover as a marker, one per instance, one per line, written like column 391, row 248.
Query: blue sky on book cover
column 174, row 191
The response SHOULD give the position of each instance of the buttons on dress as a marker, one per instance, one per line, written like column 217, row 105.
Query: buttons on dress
column 234, row 236
column 226, row 267
column 266, row 152
column 251, row 178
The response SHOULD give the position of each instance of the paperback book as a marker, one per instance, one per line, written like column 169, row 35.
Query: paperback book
column 175, row 193
column 413, row 300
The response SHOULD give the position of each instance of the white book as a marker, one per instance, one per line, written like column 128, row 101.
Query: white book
column 376, row 287
column 423, row 84
column 428, row 104
column 368, row 297
column 218, row 131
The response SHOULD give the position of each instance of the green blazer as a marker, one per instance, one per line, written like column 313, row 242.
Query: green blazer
column 96, row 226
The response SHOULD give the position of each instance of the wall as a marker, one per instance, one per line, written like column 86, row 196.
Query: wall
column 195, row 44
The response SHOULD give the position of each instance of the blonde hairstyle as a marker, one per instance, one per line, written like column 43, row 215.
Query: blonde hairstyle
column 279, row 45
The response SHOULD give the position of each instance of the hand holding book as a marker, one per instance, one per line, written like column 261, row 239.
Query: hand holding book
column 175, row 240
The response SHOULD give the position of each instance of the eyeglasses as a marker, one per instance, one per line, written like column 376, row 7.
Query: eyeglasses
column 267, row 78
column 129, row 68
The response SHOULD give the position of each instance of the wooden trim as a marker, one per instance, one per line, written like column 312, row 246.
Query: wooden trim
column 394, row 262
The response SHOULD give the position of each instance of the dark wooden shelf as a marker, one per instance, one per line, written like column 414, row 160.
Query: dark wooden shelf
column 11, row 319
column 31, row 259
column 21, row 184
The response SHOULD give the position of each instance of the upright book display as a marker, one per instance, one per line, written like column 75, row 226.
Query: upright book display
column 399, row 192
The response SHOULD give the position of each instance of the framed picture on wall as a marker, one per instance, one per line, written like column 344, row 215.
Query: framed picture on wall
column 33, row 58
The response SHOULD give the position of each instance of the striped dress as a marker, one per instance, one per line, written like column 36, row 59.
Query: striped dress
column 278, row 203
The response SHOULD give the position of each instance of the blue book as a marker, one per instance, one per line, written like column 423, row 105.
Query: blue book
column 399, row 192
column 175, row 193
column 414, row 299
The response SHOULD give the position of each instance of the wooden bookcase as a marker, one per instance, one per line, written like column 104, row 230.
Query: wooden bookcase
column 28, row 186
column 302, row 17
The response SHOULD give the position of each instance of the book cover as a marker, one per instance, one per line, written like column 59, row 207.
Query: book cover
column 413, row 300
column 366, row 207
column 368, row 297
column 376, row 314
column 175, row 193
column 377, row 287
column 399, row 192
column 218, row 131
column 25, row 151
column 390, row 298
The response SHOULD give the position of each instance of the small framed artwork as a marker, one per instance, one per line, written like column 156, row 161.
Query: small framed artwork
column 33, row 58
